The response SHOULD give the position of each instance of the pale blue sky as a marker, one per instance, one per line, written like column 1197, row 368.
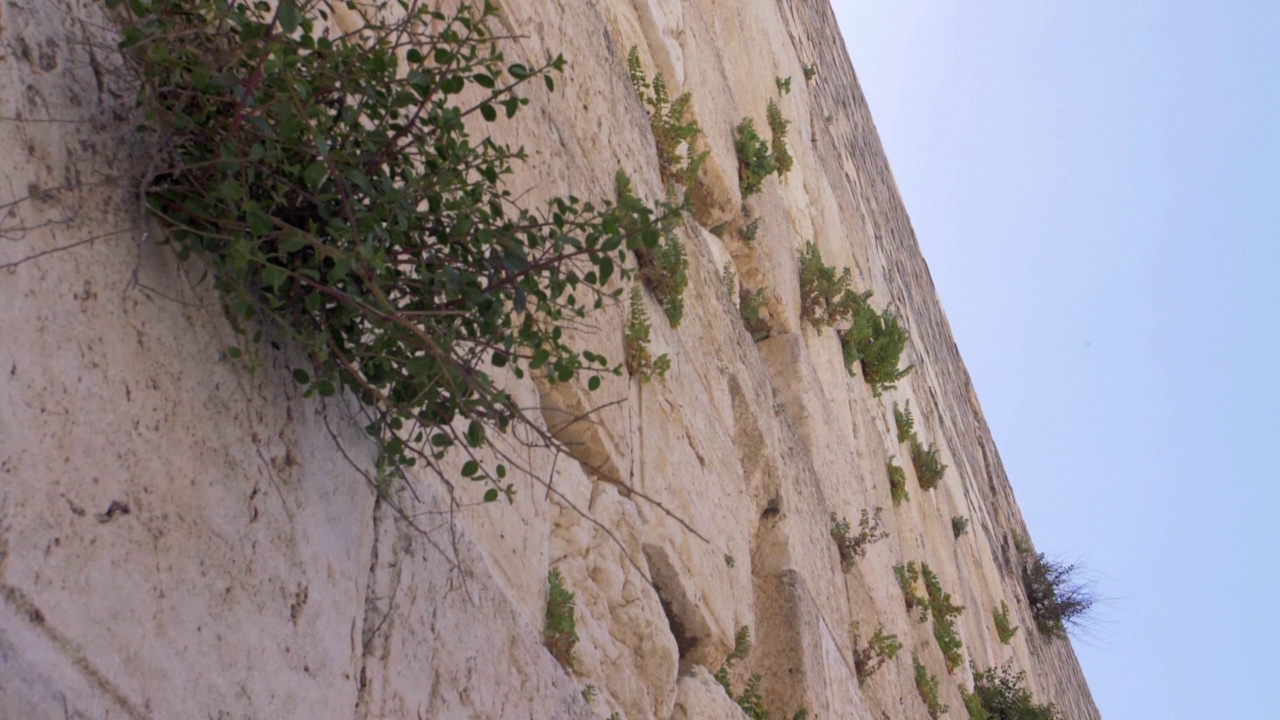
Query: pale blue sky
column 1095, row 187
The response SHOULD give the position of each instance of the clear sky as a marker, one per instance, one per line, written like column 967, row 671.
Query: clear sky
column 1096, row 188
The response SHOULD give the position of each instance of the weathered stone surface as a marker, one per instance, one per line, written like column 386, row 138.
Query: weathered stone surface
column 181, row 538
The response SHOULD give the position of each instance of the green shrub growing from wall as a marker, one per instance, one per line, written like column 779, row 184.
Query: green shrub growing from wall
column 778, row 138
column 640, row 362
column 927, row 687
column 928, row 464
column 560, row 633
column 1056, row 594
column 876, row 341
column 851, row 545
column 1002, row 694
column 334, row 191
column 1005, row 630
column 675, row 132
column 869, row 658
column 755, row 162
column 897, row 484
column 825, row 297
column 943, row 610
column 904, row 421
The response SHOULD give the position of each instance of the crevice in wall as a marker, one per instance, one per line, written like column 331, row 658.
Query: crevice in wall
column 685, row 614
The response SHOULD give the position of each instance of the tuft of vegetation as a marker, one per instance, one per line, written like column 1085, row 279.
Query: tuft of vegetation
column 927, row 686
column 853, row 546
column 1056, row 594
column 750, row 303
column 675, row 132
column 876, row 340
column 908, row 575
column 784, row 85
column 972, row 704
column 959, row 525
column 810, row 72
column 755, row 162
column 559, row 633
column 331, row 187
column 880, row 649
column 1001, row 694
column 778, row 137
column 943, row 610
column 750, row 701
column 664, row 269
column 825, row 297
column 1005, row 630
column 905, row 422
column 750, row 229
column 729, row 278
column 928, row 465
column 897, row 484
column 589, row 693
column 729, row 561
column 639, row 361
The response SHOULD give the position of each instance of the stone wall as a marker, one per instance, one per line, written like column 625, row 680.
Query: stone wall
column 181, row 538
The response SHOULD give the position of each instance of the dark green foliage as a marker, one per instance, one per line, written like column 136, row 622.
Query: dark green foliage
column 755, row 162
column 876, row 340
column 928, row 465
column 332, row 189
column 810, row 72
column 908, row 575
column 778, row 137
column 825, row 297
column 640, row 362
column 1005, row 630
column 663, row 265
column 853, row 546
column 1056, row 594
column 973, row 705
column 927, row 687
column 905, row 422
column 560, row 634
column 749, row 700
column 675, row 133
column 784, row 85
column 897, row 484
column 750, row 303
column 959, row 525
column 1001, row 694
column 943, row 610
column 749, row 231
column 881, row 648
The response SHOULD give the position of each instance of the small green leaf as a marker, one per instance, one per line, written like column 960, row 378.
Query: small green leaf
column 490, row 114
column 314, row 174
column 518, row 71
column 594, row 383
column 470, row 468
column 490, row 495
column 289, row 16
column 301, row 376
